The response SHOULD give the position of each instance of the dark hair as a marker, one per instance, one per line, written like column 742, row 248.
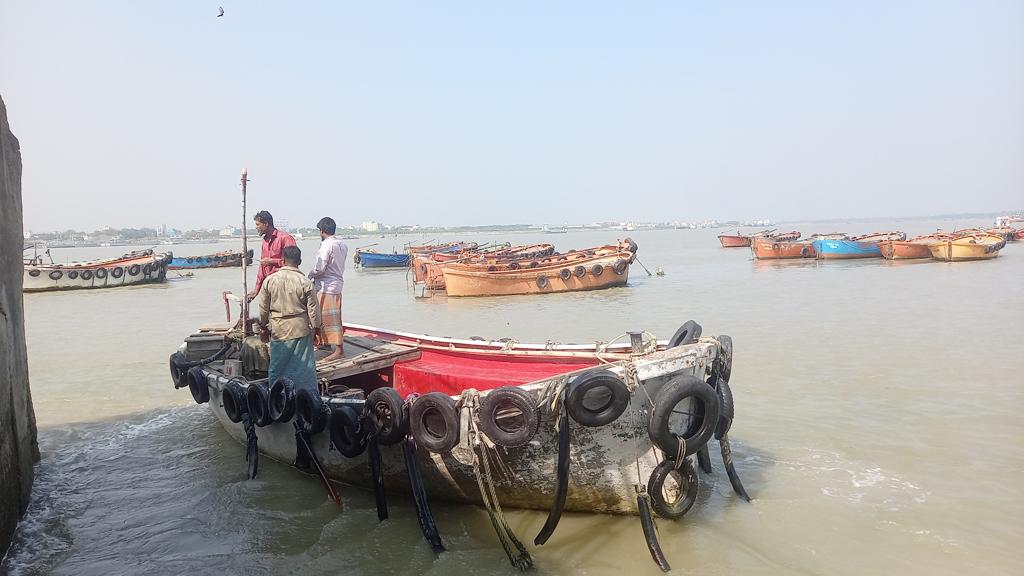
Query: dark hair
column 265, row 217
column 327, row 225
column 292, row 254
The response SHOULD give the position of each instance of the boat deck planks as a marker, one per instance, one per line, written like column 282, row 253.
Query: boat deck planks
column 365, row 355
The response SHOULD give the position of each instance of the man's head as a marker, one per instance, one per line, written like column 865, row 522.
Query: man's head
column 264, row 222
column 292, row 256
column 327, row 227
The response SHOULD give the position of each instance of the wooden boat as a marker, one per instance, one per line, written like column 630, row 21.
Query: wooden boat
column 139, row 267
column 1018, row 234
column 227, row 259
column 785, row 236
column 864, row 246
column 457, row 399
column 968, row 247
column 770, row 249
column 371, row 259
column 1005, row 232
column 914, row 248
column 599, row 272
column 446, row 248
column 829, row 236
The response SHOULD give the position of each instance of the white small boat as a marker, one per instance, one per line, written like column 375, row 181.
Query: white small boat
column 139, row 267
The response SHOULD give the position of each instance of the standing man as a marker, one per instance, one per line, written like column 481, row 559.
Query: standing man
column 288, row 305
column 271, row 253
column 328, row 279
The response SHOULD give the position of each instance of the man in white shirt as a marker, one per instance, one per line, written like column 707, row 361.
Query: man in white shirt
column 328, row 276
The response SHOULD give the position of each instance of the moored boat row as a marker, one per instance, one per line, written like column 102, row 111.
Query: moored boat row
column 961, row 245
column 226, row 259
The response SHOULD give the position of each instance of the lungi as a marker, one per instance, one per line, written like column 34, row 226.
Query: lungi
column 293, row 359
column 330, row 312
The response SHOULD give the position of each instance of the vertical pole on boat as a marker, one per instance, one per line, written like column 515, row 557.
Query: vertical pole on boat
column 245, row 260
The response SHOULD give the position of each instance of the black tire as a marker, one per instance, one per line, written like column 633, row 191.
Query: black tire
column 310, row 407
column 101, row 273
column 134, row 270
column 580, row 271
column 198, row 385
column 56, row 275
column 673, row 506
column 233, row 398
column 33, row 273
column 513, row 265
column 620, row 267
column 281, row 400
column 596, row 398
column 179, row 374
column 86, row 274
column 492, row 268
column 384, row 408
column 597, row 269
column 542, row 282
column 632, row 245
column 189, row 259
column 347, row 433
column 534, row 264
column 117, row 272
column 699, row 428
column 147, row 269
column 509, row 416
column 686, row 334
column 565, row 274
column 728, row 411
column 256, row 404
column 725, row 354
column 72, row 274
column 434, row 422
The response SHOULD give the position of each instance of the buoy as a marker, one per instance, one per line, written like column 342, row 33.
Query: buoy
column 658, row 271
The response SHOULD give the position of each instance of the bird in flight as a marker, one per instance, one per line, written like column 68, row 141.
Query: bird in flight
column 220, row 11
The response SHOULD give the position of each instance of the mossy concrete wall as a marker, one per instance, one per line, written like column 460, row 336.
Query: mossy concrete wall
column 18, row 448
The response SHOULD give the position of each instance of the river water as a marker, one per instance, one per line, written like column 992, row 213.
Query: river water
column 878, row 423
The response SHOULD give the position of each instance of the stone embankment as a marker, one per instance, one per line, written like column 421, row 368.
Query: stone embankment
column 18, row 448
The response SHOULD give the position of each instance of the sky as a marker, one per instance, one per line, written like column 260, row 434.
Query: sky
column 136, row 114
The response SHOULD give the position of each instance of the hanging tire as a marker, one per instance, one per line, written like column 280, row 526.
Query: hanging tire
column 513, row 265
column 597, row 269
column 580, row 271
column 542, row 282
column 179, row 374
column 86, row 274
column 56, row 275
column 281, row 400
column 384, row 408
column 189, row 259
column 33, row 273
column 673, row 502
column 620, row 267
column 686, row 334
column 492, row 268
column 728, row 409
column 310, row 407
column 134, row 269
column 699, row 428
column 632, row 245
column 117, row 272
column 565, row 274
column 233, row 398
column 434, row 422
column 72, row 274
column 724, row 359
column 596, row 398
column 101, row 273
column 256, row 404
column 347, row 433
column 198, row 385
column 509, row 416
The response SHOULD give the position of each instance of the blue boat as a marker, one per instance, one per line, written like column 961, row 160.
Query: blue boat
column 842, row 249
column 378, row 260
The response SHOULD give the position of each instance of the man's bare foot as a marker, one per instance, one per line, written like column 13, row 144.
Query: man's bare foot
column 333, row 356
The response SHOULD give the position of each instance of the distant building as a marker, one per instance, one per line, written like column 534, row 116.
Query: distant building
column 371, row 226
column 229, row 231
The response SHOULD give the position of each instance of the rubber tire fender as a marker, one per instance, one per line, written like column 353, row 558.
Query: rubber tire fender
column 436, row 404
column 117, row 272
column 347, row 434
column 501, row 398
column 256, row 397
column 33, row 273
column 233, row 399
column 87, row 274
column 597, row 269
column 281, row 400
column 688, row 333
column 101, row 273
column 620, row 266
column 134, row 269
column 565, row 274
column 513, row 265
column 179, row 374
column 542, row 282
column 385, row 410
column 198, row 385
column 688, row 491
column 589, row 381
column 673, row 392
column 725, row 355
column 73, row 274
column 728, row 411
column 580, row 271
column 311, row 408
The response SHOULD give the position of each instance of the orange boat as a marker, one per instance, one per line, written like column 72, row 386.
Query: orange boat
column 1005, row 232
column 785, row 236
column 770, row 249
column 1018, row 234
column 738, row 240
column 917, row 247
column 591, row 274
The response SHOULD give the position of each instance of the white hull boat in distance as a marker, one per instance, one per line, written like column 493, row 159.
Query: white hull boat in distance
column 140, row 267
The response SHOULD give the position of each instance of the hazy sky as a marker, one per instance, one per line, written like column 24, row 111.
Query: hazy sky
column 141, row 113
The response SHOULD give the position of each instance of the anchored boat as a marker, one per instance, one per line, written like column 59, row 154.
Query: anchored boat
column 915, row 248
column 499, row 423
column 771, row 249
column 974, row 246
column 139, row 267
column 865, row 246
column 227, row 259
column 371, row 259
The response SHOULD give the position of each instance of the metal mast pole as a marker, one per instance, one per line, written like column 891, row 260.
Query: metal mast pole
column 245, row 260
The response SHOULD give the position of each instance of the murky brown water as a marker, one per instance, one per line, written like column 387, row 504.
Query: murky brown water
column 878, row 424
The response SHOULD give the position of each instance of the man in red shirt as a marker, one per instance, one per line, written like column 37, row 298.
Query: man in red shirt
column 274, row 243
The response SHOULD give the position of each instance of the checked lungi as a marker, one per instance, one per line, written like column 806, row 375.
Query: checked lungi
column 330, row 312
